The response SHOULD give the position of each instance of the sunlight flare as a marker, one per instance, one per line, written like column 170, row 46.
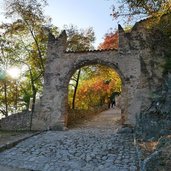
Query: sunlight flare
column 14, row 72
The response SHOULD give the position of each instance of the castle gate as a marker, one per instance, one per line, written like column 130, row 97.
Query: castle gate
column 61, row 65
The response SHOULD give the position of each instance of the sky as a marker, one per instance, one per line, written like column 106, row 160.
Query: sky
column 83, row 14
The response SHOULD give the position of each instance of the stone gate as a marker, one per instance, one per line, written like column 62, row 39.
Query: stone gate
column 61, row 65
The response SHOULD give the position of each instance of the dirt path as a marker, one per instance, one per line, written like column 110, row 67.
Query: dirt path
column 108, row 119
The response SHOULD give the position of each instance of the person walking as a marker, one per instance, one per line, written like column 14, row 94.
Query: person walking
column 112, row 100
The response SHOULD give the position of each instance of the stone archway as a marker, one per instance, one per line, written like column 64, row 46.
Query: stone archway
column 61, row 65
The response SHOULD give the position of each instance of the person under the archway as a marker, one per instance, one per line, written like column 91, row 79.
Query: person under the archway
column 112, row 99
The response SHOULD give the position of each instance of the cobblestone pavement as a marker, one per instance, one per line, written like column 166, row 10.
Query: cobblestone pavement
column 94, row 146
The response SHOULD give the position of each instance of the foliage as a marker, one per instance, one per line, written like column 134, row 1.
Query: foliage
column 26, row 47
column 27, row 9
column 95, row 86
column 79, row 39
column 110, row 41
column 141, row 8
column 160, row 28
column 7, row 56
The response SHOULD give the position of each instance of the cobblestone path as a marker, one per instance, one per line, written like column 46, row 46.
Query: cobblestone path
column 93, row 146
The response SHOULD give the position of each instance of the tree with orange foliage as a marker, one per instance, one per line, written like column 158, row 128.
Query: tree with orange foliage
column 110, row 41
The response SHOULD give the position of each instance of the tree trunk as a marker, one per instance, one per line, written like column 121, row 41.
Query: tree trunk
column 75, row 89
column 34, row 98
column 33, row 104
column 16, row 97
column 6, row 98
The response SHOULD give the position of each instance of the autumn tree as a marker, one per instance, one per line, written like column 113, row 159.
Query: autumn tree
column 96, row 86
column 110, row 41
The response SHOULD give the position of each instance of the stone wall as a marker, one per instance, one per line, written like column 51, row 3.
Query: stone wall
column 154, row 122
column 18, row 121
column 155, row 116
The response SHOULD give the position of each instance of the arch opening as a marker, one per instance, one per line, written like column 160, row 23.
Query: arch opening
column 93, row 88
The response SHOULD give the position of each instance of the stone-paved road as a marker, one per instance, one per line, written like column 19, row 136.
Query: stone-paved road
column 93, row 146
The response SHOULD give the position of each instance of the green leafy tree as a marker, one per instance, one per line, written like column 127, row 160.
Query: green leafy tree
column 79, row 39
column 27, row 30
column 7, row 55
